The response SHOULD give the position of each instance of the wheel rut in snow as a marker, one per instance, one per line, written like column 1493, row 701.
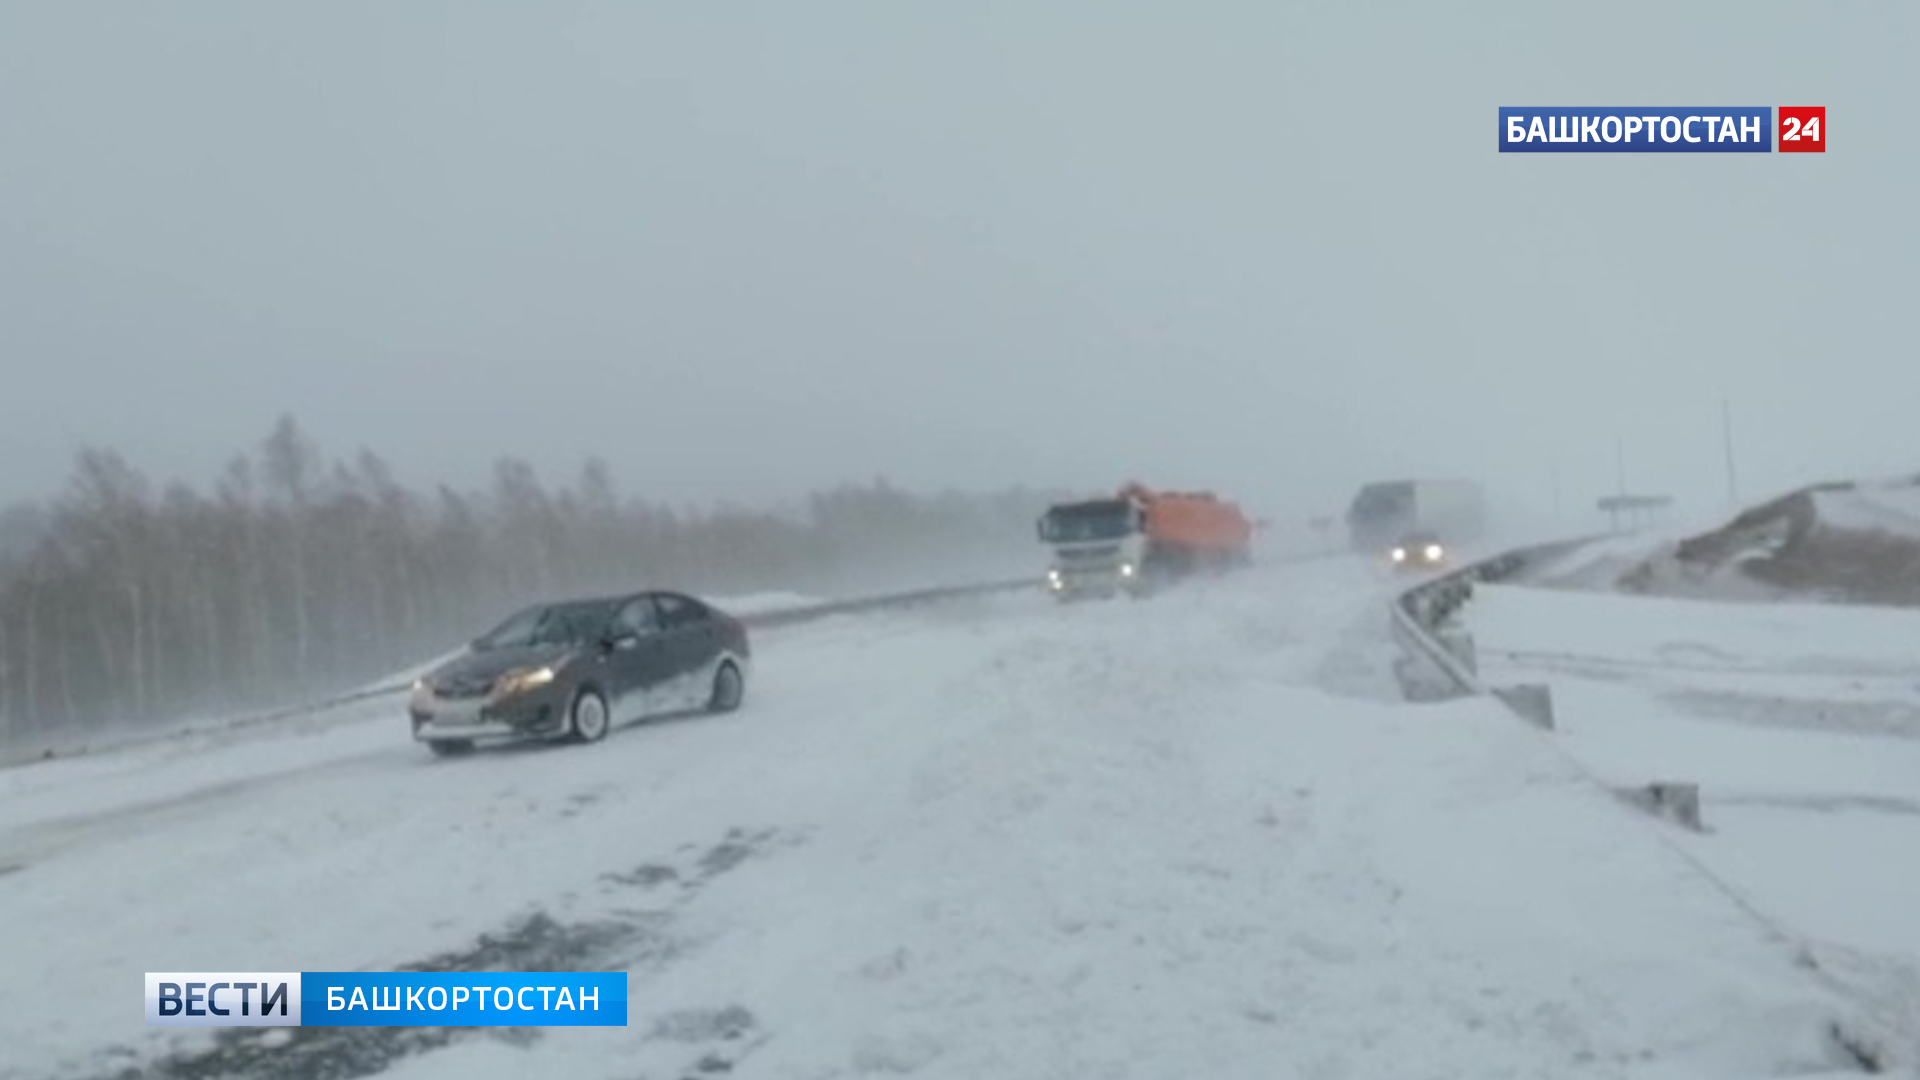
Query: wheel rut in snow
column 643, row 940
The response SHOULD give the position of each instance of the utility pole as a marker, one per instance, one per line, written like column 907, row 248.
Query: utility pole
column 1619, row 480
column 1726, row 434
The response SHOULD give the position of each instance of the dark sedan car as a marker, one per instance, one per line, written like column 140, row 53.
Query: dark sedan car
column 574, row 669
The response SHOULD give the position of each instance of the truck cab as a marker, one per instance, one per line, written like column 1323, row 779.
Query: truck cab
column 1139, row 539
column 1099, row 547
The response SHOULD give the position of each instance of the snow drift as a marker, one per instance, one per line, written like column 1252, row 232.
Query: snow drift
column 1855, row 542
column 1799, row 722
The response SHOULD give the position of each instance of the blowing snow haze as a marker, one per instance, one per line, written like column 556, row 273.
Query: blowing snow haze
column 743, row 251
column 495, row 495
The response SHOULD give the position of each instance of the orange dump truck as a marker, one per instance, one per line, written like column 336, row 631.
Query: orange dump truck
column 1138, row 539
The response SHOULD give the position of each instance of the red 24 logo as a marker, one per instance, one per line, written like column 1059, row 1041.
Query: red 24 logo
column 1803, row 129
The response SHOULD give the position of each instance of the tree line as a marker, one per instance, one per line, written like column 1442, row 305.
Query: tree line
column 295, row 575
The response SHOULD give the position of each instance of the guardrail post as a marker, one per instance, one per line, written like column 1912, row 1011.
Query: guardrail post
column 1672, row 800
column 1459, row 643
column 1425, row 621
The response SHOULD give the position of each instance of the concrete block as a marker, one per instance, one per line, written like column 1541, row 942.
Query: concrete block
column 1672, row 800
column 1420, row 681
column 1532, row 702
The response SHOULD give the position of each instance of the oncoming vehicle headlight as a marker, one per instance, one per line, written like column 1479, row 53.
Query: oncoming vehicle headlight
column 1126, row 569
column 519, row 682
column 1399, row 554
column 1434, row 551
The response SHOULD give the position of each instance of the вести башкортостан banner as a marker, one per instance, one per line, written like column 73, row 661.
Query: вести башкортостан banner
column 386, row 998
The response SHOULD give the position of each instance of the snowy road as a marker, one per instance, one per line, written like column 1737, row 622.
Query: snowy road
column 1197, row 836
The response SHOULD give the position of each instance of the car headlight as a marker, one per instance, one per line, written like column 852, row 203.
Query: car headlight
column 1399, row 554
column 519, row 682
column 1434, row 551
column 1126, row 569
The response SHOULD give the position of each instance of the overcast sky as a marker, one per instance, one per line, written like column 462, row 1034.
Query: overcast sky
column 743, row 250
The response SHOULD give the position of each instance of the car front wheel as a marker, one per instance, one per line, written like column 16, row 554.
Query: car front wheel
column 728, row 688
column 588, row 719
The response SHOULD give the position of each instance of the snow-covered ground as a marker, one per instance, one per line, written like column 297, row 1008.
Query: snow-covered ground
column 1800, row 723
column 1192, row 836
column 1599, row 565
column 1854, row 539
column 1777, row 639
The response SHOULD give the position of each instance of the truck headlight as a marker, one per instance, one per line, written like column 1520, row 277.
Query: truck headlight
column 519, row 682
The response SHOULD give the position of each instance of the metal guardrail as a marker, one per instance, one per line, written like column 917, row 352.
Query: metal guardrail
column 777, row 617
column 883, row 602
column 1438, row 658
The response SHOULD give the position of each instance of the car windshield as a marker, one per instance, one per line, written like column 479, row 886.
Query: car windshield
column 552, row 624
column 1108, row 520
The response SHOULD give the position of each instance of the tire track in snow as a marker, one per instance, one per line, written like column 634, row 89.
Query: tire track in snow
column 642, row 941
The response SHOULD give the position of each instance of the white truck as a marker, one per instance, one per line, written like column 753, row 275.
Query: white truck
column 1137, row 539
column 1439, row 513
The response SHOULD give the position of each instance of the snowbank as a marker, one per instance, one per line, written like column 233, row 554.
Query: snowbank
column 1601, row 563
column 1800, row 723
column 1662, row 631
column 1848, row 542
